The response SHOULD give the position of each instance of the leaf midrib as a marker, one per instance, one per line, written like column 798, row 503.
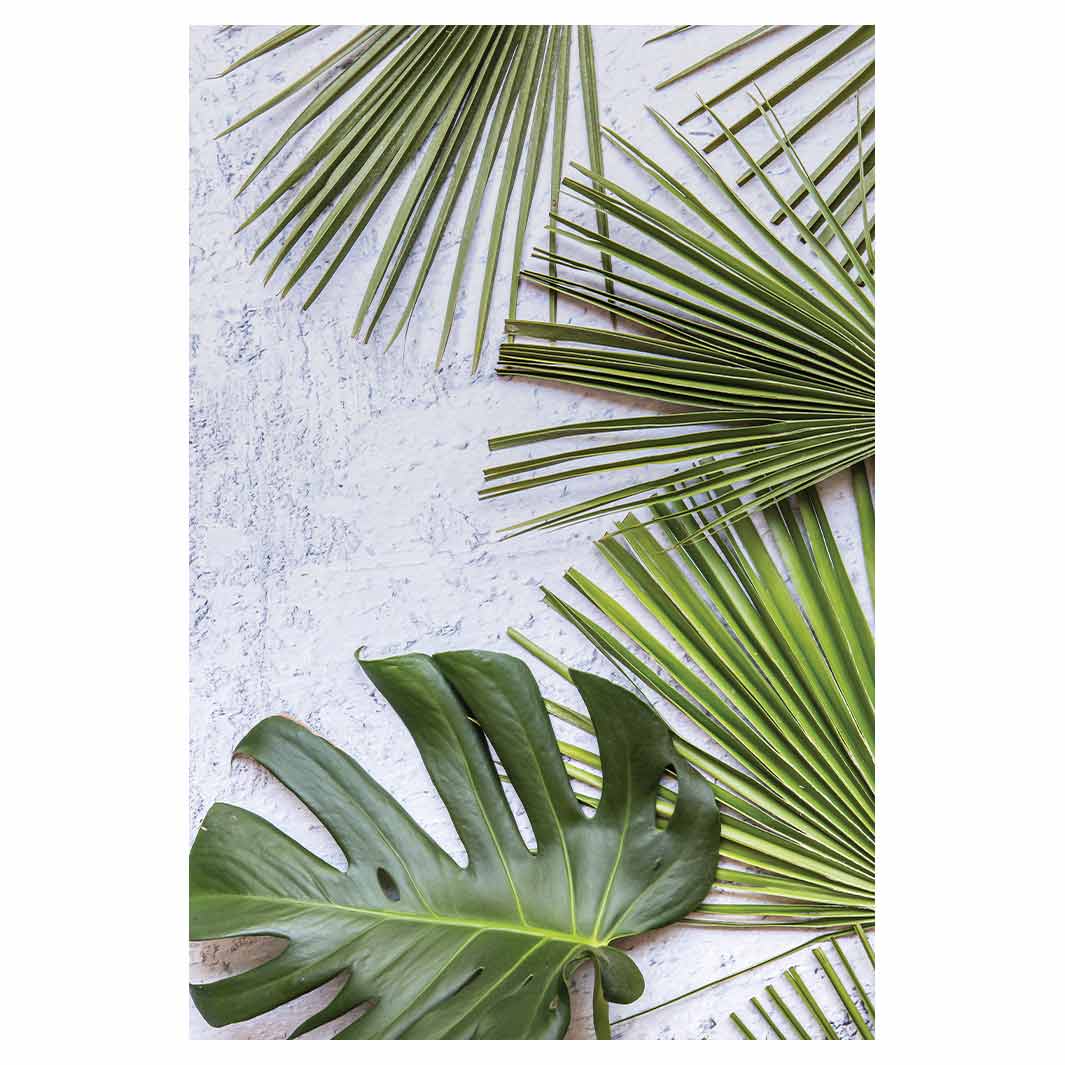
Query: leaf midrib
column 414, row 918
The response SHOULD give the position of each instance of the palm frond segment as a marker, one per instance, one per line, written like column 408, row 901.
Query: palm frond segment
column 441, row 109
column 771, row 367
column 861, row 990
column 806, row 1015
column 772, row 663
column 819, row 50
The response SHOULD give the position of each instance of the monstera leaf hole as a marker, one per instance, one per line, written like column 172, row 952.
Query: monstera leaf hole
column 388, row 885
column 315, row 1000
column 667, row 790
column 521, row 818
column 222, row 959
column 218, row 958
column 522, row 821
column 469, row 980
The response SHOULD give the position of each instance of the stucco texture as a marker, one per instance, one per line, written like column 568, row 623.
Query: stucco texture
column 333, row 491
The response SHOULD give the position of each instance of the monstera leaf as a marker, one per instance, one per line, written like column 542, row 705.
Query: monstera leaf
column 437, row 950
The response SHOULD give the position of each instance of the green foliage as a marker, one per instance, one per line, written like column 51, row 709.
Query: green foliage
column 770, row 369
column 442, row 95
column 780, row 1018
column 774, row 664
column 840, row 92
column 437, row 950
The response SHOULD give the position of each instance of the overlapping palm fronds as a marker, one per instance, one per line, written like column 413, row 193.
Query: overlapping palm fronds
column 447, row 96
column 781, row 684
column 845, row 43
column 782, row 1021
column 816, row 941
column 771, row 368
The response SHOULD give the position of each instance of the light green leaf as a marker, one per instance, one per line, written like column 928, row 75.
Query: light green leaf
column 760, row 640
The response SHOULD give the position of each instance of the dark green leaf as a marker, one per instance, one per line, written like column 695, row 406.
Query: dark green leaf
column 441, row 951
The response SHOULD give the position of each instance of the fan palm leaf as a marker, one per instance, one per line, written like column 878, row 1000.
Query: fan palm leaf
column 846, row 43
column 823, row 938
column 773, row 664
column 441, row 96
column 771, row 368
column 780, row 1018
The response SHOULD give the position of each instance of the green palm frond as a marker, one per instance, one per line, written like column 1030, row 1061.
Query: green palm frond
column 770, row 368
column 845, row 42
column 783, row 1021
column 438, row 96
column 773, row 664
column 822, row 939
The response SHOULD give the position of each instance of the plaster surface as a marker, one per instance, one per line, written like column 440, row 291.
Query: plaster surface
column 333, row 490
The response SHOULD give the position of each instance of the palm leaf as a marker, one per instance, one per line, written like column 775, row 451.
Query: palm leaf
column 783, row 1019
column 437, row 950
column 845, row 44
column 771, row 368
column 396, row 94
column 773, row 664
column 718, row 981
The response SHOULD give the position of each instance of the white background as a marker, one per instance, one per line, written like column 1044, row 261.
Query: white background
column 333, row 494
column 95, row 450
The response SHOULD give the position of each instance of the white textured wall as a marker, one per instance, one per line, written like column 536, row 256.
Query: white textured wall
column 333, row 494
